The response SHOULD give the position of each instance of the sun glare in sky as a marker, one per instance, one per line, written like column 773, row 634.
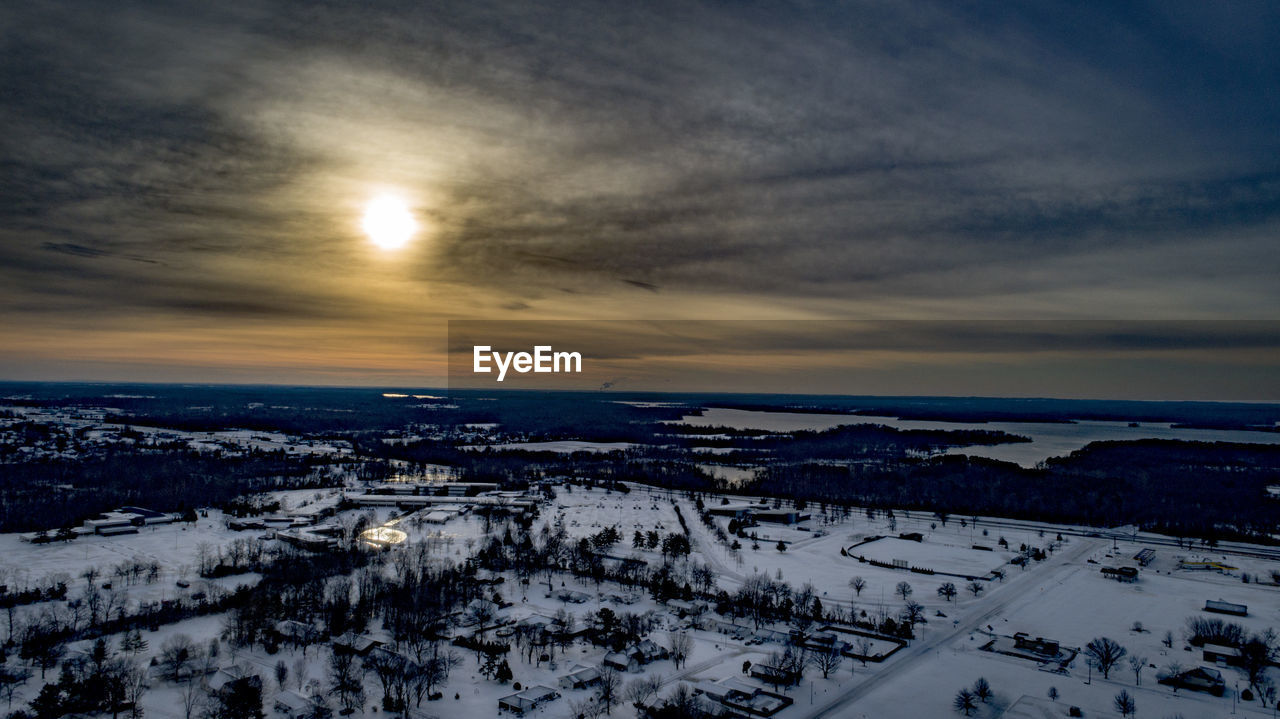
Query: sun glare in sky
column 388, row 222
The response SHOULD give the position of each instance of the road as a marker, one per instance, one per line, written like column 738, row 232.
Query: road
column 983, row 613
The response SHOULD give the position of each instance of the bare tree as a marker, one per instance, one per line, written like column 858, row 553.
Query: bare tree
column 857, row 584
column 680, row 645
column 386, row 666
column 1104, row 653
column 177, row 655
column 912, row 612
column 965, row 702
column 194, row 696
column 903, row 590
column 346, row 680
column 10, row 679
column 584, row 709
column 641, row 690
column 1137, row 663
column 827, row 660
column 607, row 689
column 948, row 591
column 975, row 587
column 1256, row 655
column 863, row 645
column 1124, row 703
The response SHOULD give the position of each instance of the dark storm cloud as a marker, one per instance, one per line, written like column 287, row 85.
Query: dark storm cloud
column 883, row 153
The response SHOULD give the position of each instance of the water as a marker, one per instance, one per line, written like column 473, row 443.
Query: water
column 1047, row 440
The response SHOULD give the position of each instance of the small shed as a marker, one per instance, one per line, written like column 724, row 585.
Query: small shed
column 1220, row 607
column 1218, row 653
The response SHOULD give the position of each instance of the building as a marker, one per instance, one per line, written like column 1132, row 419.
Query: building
column 234, row 686
column 107, row 521
column 621, row 662
column 580, row 677
column 1200, row 679
column 231, row 674
column 1039, row 645
column 649, row 651
column 297, row 632
column 1219, row 654
column 773, row 675
column 1144, row 557
column 1121, row 574
column 1220, row 607
column 684, row 609
column 736, row 511
column 115, row 531
column 742, row 698
column 148, row 516
column 295, row 706
column 357, row 644
column 530, row 698
column 780, row 516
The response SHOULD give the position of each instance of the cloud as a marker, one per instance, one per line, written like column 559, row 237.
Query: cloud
column 208, row 162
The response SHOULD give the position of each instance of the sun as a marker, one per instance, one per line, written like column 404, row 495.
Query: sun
column 388, row 222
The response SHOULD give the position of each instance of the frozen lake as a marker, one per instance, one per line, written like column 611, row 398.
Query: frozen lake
column 1047, row 440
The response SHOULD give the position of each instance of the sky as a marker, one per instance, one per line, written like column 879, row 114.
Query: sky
column 183, row 184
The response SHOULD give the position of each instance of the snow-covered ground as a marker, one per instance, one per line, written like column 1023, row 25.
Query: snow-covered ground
column 1065, row 597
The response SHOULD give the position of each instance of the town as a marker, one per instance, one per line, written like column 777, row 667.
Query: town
column 572, row 598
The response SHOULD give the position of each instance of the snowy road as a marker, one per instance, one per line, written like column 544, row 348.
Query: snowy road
column 999, row 600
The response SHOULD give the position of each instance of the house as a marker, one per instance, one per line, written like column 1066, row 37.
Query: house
column 395, row 659
column 295, row 706
column 253, row 681
column 1221, row 607
column 647, row 651
column 822, row 642
column 231, row 674
column 1200, row 679
column 539, row 621
column 528, row 699
column 621, row 662
column 773, row 675
column 357, row 644
column 766, row 634
column 725, row 626
column 1219, row 654
column 1039, row 645
column 516, row 704
column 740, row 697
column 1144, row 557
column 580, row 677
column 684, row 609
column 297, row 632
